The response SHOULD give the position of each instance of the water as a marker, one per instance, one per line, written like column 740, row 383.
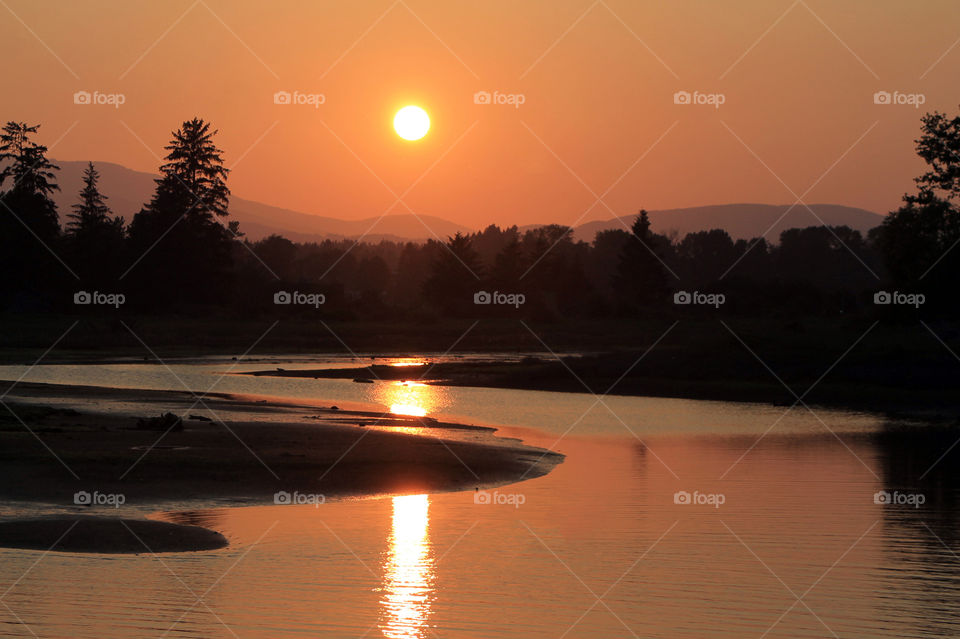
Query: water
column 598, row 548
column 551, row 412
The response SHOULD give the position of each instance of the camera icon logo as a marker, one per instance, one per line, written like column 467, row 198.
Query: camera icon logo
column 882, row 97
column 482, row 297
column 82, row 97
column 682, row 297
column 282, row 97
column 282, row 498
column 82, row 297
column 882, row 497
column 681, row 497
column 282, row 297
column 882, row 297
column 482, row 97
column 82, row 498
column 682, row 97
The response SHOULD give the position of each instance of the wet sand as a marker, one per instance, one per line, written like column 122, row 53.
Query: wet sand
column 108, row 535
column 56, row 452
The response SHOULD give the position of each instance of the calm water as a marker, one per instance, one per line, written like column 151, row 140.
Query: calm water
column 786, row 540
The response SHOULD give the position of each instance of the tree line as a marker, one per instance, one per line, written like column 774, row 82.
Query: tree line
column 180, row 254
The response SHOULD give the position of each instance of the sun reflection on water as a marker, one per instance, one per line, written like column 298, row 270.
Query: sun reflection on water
column 413, row 399
column 408, row 409
column 408, row 572
column 407, row 361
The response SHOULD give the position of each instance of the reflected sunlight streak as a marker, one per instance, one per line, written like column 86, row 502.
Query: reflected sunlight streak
column 414, row 399
column 408, row 572
column 408, row 409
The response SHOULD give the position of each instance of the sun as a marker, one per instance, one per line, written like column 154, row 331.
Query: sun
column 411, row 122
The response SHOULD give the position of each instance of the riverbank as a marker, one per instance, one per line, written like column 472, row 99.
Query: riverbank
column 617, row 374
column 109, row 461
column 48, row 453
column 901, row 367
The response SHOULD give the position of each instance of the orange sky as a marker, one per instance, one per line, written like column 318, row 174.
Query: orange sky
column 798, row 79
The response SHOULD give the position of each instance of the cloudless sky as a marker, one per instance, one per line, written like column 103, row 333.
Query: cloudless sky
column 598, row 80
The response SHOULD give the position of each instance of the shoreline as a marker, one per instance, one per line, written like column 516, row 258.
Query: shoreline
column 861, row 363
column 535, row 374
column 56, row 453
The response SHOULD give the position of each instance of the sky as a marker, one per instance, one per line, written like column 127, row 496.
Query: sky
column 589, row 122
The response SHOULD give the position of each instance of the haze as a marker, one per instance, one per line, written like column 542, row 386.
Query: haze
column 598, row 113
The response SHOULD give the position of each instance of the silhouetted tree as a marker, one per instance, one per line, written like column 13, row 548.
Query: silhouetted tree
column 26, row 165
column 92, row 211
column 413, row 269
column 454, row 276
column 509, row 266
column 185, row 252
column 279, row 254
column 603, row 260
column 939, row 146
column 95, row 240
column 491, row 241
column 919, row 239
column 918, row 242
column 829, row 258
column 29, row 226
column 752, row 260
column 706, row 256
column 641, row 279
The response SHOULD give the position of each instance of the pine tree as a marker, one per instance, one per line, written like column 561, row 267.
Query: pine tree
column 91, row 213
column 29, row 227
column 95, row 240
column 641, row 277
column 32, row 181
column 187, row 253
column 194, row 171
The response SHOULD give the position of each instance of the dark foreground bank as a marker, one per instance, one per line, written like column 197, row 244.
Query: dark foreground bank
column 124, row 465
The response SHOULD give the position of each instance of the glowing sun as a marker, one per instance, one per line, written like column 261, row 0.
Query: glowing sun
column 411, row 123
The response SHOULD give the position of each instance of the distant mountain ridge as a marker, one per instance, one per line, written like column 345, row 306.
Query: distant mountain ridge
column 128, row 190
column 742, row 221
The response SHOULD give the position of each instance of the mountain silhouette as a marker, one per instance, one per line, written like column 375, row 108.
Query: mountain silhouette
column 742, row 221
column 128, row 190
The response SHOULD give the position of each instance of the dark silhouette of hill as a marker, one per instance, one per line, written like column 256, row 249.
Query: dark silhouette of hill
column 742, row 221
column 128, row 190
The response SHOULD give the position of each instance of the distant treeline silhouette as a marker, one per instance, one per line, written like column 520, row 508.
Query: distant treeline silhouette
column 181, row 255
